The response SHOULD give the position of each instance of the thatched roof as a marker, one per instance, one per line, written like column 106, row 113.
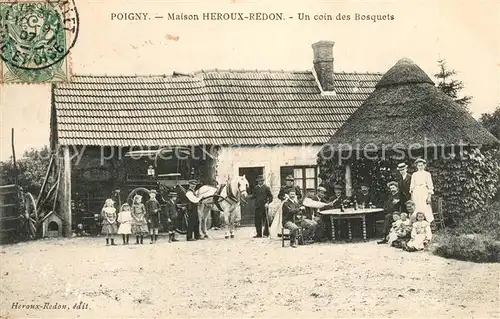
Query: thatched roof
column 407, row 110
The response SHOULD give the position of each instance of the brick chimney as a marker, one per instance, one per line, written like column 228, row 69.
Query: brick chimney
column 323, row 63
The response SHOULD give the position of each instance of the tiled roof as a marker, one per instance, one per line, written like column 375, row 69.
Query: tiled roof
column 209, row 107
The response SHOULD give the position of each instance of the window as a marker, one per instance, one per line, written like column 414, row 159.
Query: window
column 304, row 176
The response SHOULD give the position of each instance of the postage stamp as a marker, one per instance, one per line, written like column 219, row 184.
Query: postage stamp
column 36, row 37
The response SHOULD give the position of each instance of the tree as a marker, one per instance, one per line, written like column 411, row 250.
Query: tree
column 492, row 121
column 32, row 167
column 450, row 86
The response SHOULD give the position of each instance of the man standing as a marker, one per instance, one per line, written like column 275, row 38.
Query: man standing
column 263, row 197
column 194, row 220
column 392, row 205
column 404, row 181
column 171, row 214
column 153, row 215
column 283, row 194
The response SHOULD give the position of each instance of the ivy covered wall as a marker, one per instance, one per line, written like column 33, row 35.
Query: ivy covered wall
column 466, row 180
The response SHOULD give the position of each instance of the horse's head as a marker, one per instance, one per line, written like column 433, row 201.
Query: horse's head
column 243, row 186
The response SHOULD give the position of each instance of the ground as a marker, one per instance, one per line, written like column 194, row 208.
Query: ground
column 238, row 278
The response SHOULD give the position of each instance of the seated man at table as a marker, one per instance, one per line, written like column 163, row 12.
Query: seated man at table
column 291, row 208
column 314, row 203
column 364, row 197
column 392, row 205
column 338, row 197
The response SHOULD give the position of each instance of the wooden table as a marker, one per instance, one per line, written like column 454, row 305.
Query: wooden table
column 348, row 214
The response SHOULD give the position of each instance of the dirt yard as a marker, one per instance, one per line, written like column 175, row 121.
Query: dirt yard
column 243, row 277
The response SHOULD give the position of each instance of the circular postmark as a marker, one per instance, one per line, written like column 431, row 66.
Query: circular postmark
column 36, row 35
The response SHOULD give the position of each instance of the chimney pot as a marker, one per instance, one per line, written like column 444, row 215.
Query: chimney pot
column 323, row 63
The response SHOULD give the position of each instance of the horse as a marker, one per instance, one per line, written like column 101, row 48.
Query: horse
column 225, row 198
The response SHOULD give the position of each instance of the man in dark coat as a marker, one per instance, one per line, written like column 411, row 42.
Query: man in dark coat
column 404, row 180
column 263, row 197
column 392, row 205
column 364, row 197
column 194, row 220
column 153, row 215
column 283, row 194
column 291, row 207
column 171, row 214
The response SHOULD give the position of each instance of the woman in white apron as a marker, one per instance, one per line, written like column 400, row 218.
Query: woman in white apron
column 421, row 189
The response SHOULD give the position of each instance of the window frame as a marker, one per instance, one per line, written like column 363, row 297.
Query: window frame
column 304, row 178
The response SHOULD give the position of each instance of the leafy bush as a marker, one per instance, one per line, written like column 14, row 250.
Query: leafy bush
column 32, row 167
column 476, row 238
column 471, row 247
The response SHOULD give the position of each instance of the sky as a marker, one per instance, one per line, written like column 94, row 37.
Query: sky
column 465, row 33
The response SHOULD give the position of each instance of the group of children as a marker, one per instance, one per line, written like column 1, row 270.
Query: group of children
column 139, row 219
column 410, row 233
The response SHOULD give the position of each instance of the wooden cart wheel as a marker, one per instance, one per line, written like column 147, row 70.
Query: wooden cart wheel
column 31, row 220
column 144, row 192
column 182, row 222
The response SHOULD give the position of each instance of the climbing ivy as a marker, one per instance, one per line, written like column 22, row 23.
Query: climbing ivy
column 466, row 181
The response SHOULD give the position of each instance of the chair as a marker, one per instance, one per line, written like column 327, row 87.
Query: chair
column 285, row 233
column 437, row 211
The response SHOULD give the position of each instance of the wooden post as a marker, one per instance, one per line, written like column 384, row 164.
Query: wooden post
column 66, row 192
column 348, row 180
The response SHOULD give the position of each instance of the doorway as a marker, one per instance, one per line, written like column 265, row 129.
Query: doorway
column 248, row 208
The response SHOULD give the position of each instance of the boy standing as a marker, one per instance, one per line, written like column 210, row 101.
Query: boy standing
column 153, row 215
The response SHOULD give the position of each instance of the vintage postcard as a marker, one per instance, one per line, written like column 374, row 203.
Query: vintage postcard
column 249, row 159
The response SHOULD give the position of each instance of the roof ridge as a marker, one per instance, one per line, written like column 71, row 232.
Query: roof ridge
column 359, row 73
column 202, row 71
column 252, row 71
column 123, row 75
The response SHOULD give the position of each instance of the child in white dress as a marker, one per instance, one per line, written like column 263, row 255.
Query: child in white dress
column 421, row 234
column 405, row 229
column 395, row 229
column 125, row 220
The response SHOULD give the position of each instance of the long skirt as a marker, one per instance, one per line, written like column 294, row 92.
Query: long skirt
column 140, row 228
column 109, row 229
column 419, row 196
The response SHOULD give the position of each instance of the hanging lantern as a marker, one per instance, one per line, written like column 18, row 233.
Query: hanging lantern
column 151, row 171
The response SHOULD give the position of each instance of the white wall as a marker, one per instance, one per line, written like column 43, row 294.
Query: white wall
column 269, row 157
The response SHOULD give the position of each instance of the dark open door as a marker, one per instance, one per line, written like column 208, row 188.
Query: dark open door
column 248, row 208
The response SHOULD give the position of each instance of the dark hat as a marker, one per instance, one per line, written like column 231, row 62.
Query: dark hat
column 260, row 178
column 289, row 178
column 402, row 166
column 420, row 160
column 392, row 183
column 172, row 194
column 337, row 186
column 364, row 184
column 193, row 182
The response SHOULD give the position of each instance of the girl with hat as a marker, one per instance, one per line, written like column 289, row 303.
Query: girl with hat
column 421, row 189
column 139, row 223
column 109, row 227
